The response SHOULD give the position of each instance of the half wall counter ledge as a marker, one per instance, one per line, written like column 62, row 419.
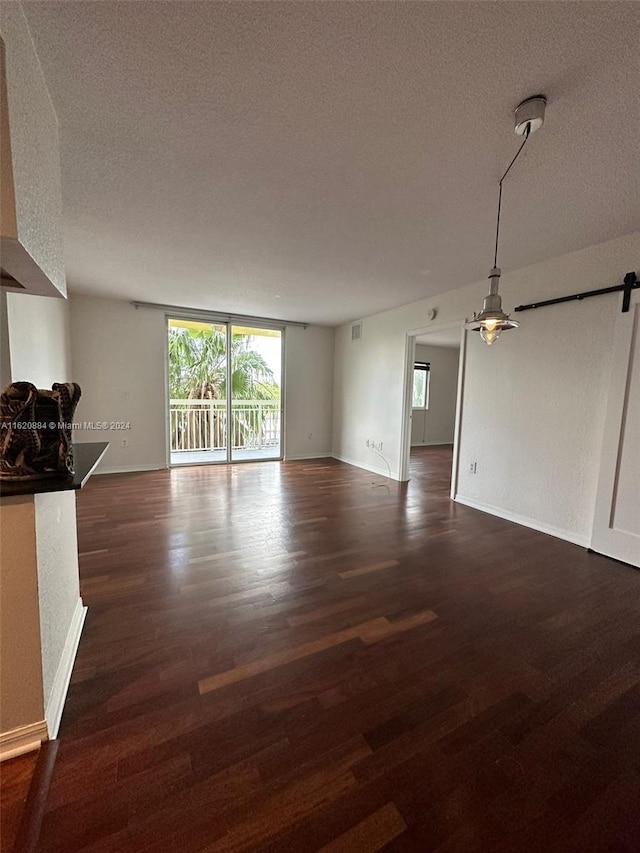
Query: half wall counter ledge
column 86, row 459
column 41, row 611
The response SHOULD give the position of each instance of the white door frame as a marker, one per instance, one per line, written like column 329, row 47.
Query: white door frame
column 407, row 398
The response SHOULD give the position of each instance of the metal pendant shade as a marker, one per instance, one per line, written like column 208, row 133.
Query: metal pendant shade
column 492, row 320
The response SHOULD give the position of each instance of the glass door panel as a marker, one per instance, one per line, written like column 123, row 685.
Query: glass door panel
column 198, row 411
column 256, row 398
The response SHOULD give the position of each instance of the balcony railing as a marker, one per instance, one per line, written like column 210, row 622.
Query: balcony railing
column 202, row 424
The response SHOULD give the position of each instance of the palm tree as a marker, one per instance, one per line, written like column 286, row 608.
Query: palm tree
column 198, row 371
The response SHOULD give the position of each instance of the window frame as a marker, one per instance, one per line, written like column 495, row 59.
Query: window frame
column 426, row 367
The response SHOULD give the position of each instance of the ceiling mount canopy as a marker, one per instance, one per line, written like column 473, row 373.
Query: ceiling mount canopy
column 492, row 320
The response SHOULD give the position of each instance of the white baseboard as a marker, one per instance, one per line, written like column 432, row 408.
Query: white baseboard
column 383, row 472
column 130, row 469
column 23, row 739
column 525, row 521
column 297, row 456
column 55, row 703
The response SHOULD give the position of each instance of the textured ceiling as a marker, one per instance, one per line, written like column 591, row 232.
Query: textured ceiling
column 444, row 338
column 323, row 161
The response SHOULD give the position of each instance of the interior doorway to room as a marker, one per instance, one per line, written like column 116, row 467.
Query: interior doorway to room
column 433, row 406
column 224, row 392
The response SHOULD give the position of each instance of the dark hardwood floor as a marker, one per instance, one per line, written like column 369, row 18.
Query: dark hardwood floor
column 15, row 780
column 300, row 657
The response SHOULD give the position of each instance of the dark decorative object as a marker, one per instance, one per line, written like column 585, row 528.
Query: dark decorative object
column 36, row 430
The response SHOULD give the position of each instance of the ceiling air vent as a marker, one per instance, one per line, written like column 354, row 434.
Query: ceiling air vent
column 356, row 331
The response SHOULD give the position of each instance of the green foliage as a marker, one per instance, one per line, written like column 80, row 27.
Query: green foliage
column 198, row 367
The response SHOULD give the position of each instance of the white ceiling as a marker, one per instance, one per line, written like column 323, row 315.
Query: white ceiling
column 323, row 161
column 449, row 338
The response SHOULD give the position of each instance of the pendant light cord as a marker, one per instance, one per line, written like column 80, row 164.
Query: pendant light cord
column 524, row 142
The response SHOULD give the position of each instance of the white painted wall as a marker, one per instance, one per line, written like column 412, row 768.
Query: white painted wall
column 368, row 381
column 35, row 150
column 308, row 392
column 38, row 330
column 39, row 339
column 58, row 585
column 435, row 425
column 5, row 351
column 534, row 403
column 42, row 612
column 118, row 355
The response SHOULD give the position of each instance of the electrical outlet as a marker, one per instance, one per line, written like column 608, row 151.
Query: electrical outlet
column 473, row 467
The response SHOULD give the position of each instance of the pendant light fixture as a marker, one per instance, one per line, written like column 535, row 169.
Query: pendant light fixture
column 491, row 321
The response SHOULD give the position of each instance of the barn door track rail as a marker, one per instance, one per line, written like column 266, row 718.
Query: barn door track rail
column 630, row 283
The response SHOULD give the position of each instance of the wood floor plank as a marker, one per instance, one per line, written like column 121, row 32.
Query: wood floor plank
column 366, row 570
column 371, row 834
column 369, row 632
column 290, row 659
column 15, row 781
column 284, row 805
column 28, row 833
column 322, row 612
column 378, row 631
column 215, row 682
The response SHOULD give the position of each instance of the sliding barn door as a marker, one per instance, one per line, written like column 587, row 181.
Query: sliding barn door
column 616, row 524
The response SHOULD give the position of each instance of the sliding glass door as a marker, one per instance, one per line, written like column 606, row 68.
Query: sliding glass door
column 256, row 411
column 225, row 397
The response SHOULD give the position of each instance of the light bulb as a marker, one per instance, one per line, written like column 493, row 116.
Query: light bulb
column 490, row 335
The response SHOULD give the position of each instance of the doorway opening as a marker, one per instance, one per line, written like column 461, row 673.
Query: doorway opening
column 224, row 392
column 434, row 370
